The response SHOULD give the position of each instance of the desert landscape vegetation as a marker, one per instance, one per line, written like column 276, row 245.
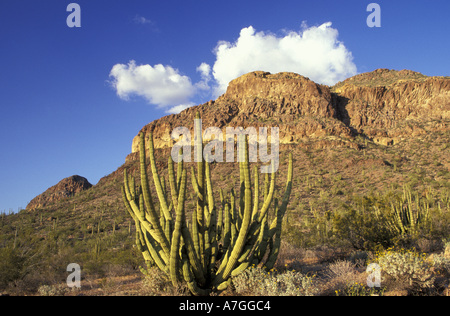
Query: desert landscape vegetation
column 370, row 184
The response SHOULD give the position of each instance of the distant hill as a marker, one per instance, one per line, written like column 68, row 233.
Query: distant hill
column 65, row 188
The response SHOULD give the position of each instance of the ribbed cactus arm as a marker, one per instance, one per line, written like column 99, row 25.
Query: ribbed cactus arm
column 209, row 188
column 256, row 196
column 174, row 186
column 128, row 198
column 262, row 240
column 273, row 255
column 226, row 227
column 279, row 218
column 144, row 177
column 268, row 199
column 136, row 211
column 157, row 181
column 240, row 242
column 192, row 249
column 195, row 184
column 192, row 283
column 158, row 230
column 174, row 251
column 286, row 195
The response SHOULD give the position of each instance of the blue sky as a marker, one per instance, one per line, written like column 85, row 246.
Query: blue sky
column 72, row 99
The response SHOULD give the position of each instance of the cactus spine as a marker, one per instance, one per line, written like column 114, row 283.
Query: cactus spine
column 222, row 241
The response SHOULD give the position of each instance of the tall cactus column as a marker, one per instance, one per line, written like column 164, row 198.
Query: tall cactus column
column 222, row 241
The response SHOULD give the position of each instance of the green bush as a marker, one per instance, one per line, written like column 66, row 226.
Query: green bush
column 258, row 282
column 52, row 290
column 409, row 266
column 357, row 224
column 11, row 266
column 441, row 265
column 290, row 283
column 249, row 280
column 359, row 289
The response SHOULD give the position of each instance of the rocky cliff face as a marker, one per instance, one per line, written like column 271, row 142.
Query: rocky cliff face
column 385, row 106
column 393, row 105
column 65, row 188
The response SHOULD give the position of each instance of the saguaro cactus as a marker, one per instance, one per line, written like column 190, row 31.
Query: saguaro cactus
column 221, row 241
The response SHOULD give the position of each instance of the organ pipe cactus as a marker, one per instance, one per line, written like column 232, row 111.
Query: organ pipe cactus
column 222, row 241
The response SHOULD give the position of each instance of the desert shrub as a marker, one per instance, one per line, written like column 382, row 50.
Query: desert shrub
column 250, row 280
column 340, row 276
column 408, row 266
column 357, row 224
column 290, row 257
column 359, row 258
column 341, row 268
column 256, row 281
column 157, row 283
column 11, row 266
column 52, row 290
column 441, row 264
column 447, row 250
column 290, row 283
column 359, row 289
column 428, row 245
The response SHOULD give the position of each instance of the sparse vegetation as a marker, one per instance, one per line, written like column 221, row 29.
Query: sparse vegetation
column 260, row 282
column 406, row 266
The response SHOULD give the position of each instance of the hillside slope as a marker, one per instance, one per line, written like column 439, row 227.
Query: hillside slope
column 384, row 106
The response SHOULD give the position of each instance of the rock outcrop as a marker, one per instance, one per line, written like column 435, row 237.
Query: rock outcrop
column 387, row 105
column 65, row 188
column 299, row 107
column 384, row 106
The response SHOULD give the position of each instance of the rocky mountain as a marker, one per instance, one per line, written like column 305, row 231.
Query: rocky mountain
column 65, row 188
column 384, row 106
column 389, row 106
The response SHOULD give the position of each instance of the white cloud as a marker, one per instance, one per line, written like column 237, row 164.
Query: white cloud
column 147, row 23
column 160, row 85
column 314, row 52
column 178, row 108
column 142, row 20
column 205, row 72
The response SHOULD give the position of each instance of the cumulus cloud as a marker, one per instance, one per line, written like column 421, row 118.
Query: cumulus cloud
column 160, row 85
column 205, row 72
column 178, row 108
column 314, row 52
